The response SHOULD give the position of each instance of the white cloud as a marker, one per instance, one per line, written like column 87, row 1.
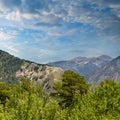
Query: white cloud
column 54, row 19
column 7, row 34
column 14, row 15
column 54, row 12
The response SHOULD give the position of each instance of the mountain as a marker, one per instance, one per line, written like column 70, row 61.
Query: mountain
column 108, row 71
column 83, row 65
column 13, row 68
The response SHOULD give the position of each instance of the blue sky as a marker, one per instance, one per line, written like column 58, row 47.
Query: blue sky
column 52, row 30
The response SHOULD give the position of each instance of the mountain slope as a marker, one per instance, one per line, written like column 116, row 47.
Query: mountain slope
column 12, row 68
column 83, row 65
column 8, row 67
column 108, row 71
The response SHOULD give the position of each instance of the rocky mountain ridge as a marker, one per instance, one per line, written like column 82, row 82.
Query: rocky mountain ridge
column 95, row 69
column 13, row 68
column 83, row 65
column 108, row 71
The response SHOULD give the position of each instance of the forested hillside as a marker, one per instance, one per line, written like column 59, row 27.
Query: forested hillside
column 72, row 100
column 8, row 67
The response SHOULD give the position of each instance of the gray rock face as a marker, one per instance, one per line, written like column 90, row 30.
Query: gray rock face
column 43, row 75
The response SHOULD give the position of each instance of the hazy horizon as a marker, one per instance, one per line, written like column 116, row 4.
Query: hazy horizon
column 62, row 59
column 54, row 30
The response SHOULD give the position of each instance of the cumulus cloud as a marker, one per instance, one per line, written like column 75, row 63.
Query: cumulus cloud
column 56, row 21
column 101, row 14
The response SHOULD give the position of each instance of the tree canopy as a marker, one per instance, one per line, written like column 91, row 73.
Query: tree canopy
column 72, row 82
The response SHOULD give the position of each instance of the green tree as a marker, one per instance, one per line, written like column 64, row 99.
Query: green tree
column 5, row 92
column 107, row 96
column 71, row 83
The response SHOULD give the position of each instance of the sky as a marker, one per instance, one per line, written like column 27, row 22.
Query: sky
column 51, row 30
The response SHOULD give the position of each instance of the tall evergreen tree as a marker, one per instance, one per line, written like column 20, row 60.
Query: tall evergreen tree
column 72, row 82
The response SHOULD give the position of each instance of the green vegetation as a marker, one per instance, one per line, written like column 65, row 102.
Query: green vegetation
column 13, row 68
column 8, row 67
column 71, row 83
column 73, row 99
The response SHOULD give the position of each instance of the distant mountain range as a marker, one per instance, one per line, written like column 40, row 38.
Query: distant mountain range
column 83, row 65
column 108, row 71
column 13, row 68
column 94, row 69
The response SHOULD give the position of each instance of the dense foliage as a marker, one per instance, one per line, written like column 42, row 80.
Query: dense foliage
column 71, row 83
column 26, row 101
column 8, row 67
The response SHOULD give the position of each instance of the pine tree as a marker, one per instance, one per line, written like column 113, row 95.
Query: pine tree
column 72, row 82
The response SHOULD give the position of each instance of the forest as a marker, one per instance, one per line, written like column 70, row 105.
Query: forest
column 71, row 99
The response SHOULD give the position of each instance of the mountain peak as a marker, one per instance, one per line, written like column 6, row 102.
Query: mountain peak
column 79, row 58
column 83, row 65
column 108, row 71
column 104, row 57
column 117, row 58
